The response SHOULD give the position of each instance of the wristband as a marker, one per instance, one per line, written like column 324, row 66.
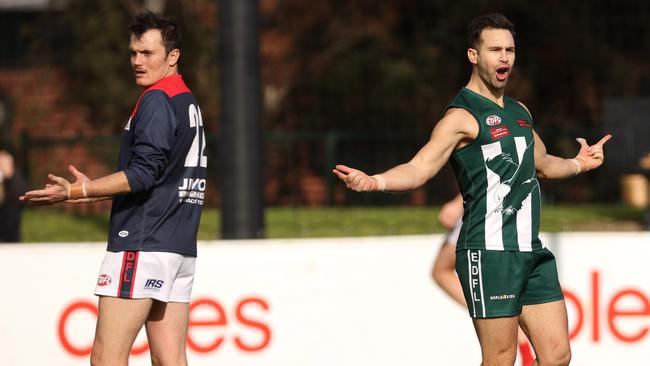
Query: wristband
column 578, row 166
column 77, row 191
column 584, row 167
column 381, row 182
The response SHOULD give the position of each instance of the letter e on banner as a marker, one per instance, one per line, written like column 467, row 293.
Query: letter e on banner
column 214, row 318
column 615, row 312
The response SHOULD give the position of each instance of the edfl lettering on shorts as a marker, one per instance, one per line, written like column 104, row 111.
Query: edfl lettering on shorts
column 500, row 283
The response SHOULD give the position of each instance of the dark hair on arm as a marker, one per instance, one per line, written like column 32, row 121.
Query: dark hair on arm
column 487, row 21
column 148, row 20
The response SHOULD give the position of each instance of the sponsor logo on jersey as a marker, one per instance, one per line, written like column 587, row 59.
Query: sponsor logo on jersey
column 153, row 284
column 193, row 184
column 192, row 190
column 493, row 120
column 499, row 132
column 104, row 280
column 123, row 234
column 524, row 123
column 128, row 125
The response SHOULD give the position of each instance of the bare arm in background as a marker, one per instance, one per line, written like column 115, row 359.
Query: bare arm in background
column 444, row 266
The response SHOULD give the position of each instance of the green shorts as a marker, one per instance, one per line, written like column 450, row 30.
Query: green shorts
column 499, row 283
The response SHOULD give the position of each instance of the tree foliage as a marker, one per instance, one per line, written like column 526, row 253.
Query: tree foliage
column 90, row 41
column 363, row 67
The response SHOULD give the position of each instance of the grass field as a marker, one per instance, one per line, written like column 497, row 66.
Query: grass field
column 51, row 225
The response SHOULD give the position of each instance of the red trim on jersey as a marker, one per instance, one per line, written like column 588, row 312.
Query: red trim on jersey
column 172, row 85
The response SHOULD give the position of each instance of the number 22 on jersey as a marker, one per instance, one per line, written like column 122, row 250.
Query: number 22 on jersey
column 196, row 154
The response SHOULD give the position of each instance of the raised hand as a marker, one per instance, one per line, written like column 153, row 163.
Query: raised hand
column 357, row 180
column 591, row 157
column 56, row 191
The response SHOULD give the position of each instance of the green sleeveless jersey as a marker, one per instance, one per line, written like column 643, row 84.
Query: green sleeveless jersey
column 497, row 178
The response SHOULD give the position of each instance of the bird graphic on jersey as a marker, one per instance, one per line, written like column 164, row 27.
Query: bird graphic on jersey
column 512, row 178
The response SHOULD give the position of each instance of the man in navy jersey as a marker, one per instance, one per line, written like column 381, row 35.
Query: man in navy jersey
column 158, row 190
column 508, row 276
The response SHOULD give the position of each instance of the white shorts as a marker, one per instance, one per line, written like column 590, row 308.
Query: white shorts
column 163, row 276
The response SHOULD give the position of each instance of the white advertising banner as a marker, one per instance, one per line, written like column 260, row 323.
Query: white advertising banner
column 606, row 281
column 317, row 302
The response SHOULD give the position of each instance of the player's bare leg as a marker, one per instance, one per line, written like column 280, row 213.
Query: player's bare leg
column 118, row 324
column 498, row 339
column 546, row 326
column 167, row 333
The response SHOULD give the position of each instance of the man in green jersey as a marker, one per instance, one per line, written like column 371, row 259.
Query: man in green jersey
column 507, row 274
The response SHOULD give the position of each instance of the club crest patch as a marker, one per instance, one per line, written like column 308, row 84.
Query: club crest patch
column 493, row 120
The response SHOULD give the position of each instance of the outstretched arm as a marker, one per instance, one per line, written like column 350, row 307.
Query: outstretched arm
column 456, row 127
column 81, row 191
column 552, row 167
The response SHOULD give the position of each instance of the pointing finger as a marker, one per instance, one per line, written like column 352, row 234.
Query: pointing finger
column 604, row 139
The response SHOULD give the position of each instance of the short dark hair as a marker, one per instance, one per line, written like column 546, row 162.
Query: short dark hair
column 493, row 21
column 148, row 20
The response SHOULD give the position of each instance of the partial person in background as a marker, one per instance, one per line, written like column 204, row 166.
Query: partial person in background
column 444, row 266
column 158, row 191
column 12, row 185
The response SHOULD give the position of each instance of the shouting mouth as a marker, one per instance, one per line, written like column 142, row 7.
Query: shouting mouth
column 502, row 73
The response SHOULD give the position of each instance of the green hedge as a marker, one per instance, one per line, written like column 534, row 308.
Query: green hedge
column 52, row 225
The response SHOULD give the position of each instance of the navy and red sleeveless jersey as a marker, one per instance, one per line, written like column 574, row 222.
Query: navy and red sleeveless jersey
column 163, row 156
